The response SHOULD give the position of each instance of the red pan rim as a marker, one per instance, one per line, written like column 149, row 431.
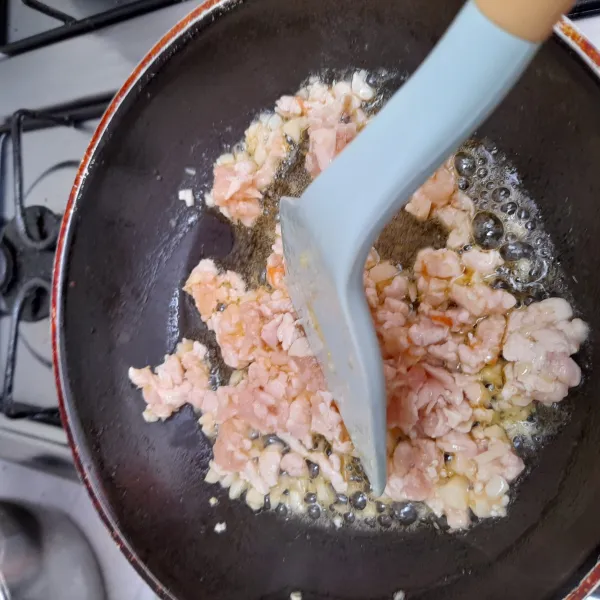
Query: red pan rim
column 565, row 30
column 569, row 33
column 161, row 46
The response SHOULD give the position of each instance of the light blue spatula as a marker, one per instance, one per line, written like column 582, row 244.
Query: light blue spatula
column 329, row 231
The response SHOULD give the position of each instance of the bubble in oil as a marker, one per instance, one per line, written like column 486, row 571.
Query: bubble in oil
column 538, row 269
column 487, row 230
column 500, row 194
column 510, row 208
column 531, row 270
column 465, row 164
column 499, row 284
column 514, row 251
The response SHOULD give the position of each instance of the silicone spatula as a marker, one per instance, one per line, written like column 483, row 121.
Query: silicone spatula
column 328, row 232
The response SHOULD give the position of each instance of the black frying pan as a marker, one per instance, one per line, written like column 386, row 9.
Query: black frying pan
column 128, row 244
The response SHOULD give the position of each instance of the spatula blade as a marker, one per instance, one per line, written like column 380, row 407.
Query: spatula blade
column 333, row 309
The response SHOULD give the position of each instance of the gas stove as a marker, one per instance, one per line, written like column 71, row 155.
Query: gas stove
column 59, row 67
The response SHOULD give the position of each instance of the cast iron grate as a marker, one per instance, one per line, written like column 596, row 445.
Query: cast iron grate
column 28, row 244
column 71, row 26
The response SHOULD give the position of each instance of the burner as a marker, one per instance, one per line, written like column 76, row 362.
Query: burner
column 20, row 263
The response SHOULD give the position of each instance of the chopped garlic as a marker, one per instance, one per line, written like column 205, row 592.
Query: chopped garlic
column 325, row 493
column 187, row 196
column 275, row 122
column 360, row 87
column 190, row 170
column 496, row 486
column 275, row 497
column 254, row 499
column 237, row 488
column 228, row 480
column 212, row 476
column 225, row 159
column 220, row 527
column 295, row 127
column 296, row 596
column 236, row 377
column 149, row 416
column 213, row 501
column 399, row 595
column 208, row 424
column 296, row 500
column 455, row 493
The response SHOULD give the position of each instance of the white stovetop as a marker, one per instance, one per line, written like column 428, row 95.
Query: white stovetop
column 591, row 28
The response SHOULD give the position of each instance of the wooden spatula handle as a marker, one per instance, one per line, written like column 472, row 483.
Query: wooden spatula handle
column 530, row 20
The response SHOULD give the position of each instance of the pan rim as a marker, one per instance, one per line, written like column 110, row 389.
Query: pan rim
column 565, row 31
column 86, row 474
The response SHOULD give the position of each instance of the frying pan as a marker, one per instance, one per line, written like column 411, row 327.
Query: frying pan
column 128, row 243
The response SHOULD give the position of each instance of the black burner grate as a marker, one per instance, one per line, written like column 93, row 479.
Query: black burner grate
column 27, row 245
column 585, row 8
column 71, row 26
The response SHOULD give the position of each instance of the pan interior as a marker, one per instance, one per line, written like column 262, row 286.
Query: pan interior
column 131, row 243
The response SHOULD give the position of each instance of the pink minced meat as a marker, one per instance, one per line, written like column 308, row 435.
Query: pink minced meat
column 235, row 191
column 538, row 345
column 440, row 326
column 432, row 357
column 332, row 117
